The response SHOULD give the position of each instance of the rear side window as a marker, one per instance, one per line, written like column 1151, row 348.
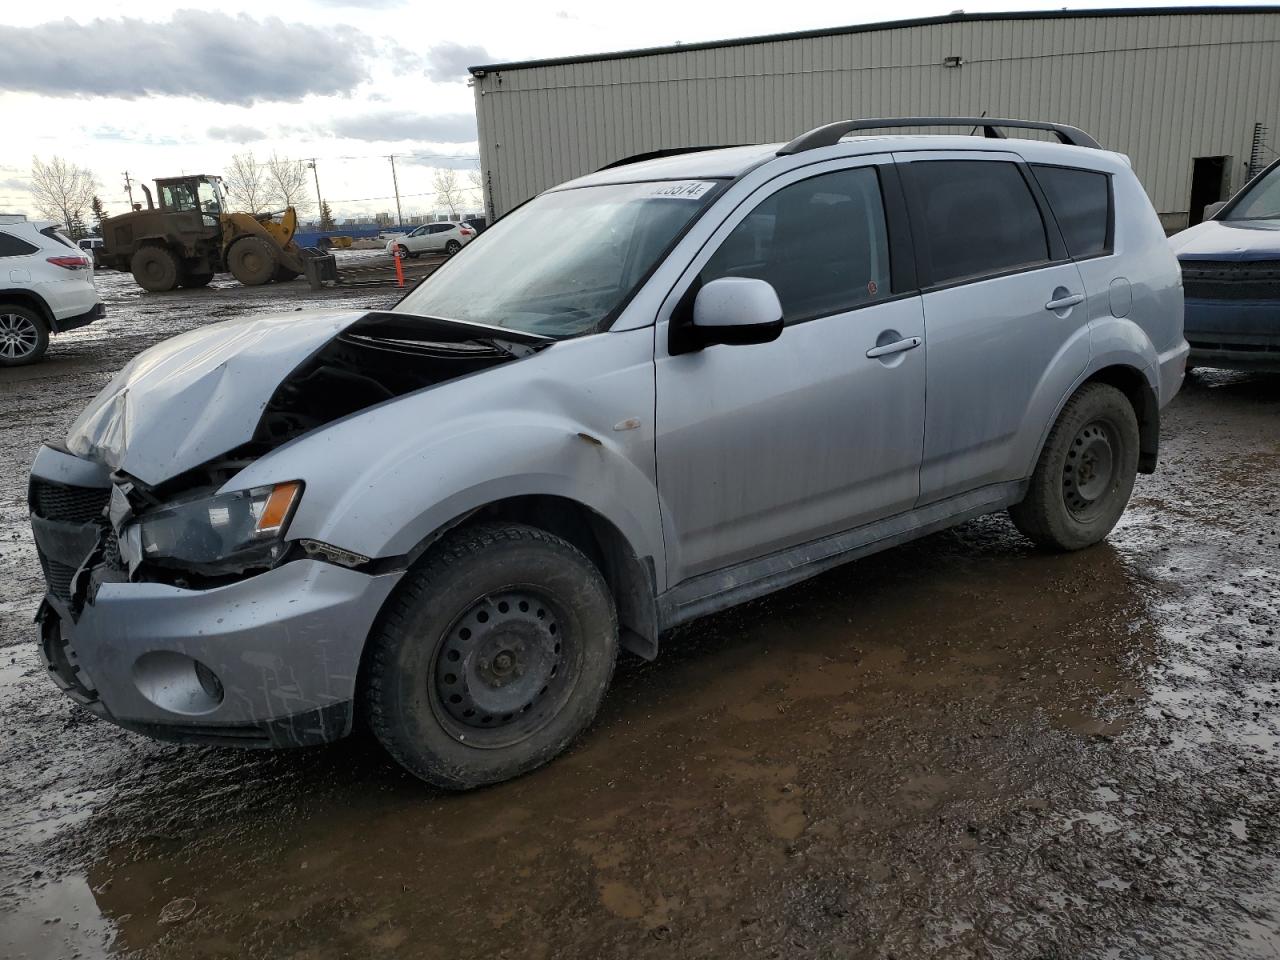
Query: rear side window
column 976, row 218
column 11, row 246
column 53, row 234
column 821, row 243
column 1081, row 202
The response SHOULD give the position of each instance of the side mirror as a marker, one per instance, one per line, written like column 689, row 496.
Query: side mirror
column 736, row 310
column 1211, row 209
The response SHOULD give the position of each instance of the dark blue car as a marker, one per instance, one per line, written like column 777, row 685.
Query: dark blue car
column 1231, row 279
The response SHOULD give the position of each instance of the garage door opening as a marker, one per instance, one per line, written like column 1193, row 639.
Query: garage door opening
column 1208, row 185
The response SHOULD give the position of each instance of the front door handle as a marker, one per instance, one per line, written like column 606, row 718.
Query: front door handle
column 898, row 346
column 1065, row 303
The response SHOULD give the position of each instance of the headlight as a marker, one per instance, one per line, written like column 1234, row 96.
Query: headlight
column 228, row 532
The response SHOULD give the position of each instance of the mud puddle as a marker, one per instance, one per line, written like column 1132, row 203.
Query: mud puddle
column 961, row 748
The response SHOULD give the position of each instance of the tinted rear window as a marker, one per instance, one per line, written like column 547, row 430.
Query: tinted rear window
column 1081, row 202
column 11, row 246
column 53, row 234
column 978, row 218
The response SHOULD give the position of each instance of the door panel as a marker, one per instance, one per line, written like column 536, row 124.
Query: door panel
column 1005, row 315
column 765, row 446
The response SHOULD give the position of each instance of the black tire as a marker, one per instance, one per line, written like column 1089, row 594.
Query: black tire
column 492, row 655
column 194, row 280
column 24, row 335
column 156, row 268
column 1082, row 482
column 253, row 261
column 452, row 247
column 406, row 253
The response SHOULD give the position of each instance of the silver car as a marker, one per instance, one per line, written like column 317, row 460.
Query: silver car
column 742, row 367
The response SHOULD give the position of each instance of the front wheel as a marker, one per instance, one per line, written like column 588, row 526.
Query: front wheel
column 492, row 655
column 1085, row 474
column 253, row 261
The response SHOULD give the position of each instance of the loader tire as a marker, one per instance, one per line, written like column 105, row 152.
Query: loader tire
column 253, row 261
column 156, row 269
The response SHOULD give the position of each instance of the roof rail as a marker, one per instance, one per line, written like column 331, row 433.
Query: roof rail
column 832, row 133
column 659, row 154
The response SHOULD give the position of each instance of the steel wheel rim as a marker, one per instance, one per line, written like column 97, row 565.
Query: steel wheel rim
column 504, row 669
column 18, row 336
column 1089, row 473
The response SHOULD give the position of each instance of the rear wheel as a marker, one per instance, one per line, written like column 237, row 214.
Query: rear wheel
column 253, row 261
column 491, row 656
column 452, row 247
column 193, row 280
column 156, row 269
column 1085, row 475
column 24, row 336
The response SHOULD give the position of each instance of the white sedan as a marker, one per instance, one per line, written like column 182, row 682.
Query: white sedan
column 443, row 237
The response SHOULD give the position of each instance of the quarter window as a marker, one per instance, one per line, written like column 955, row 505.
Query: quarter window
column 978, row 217
column 821, row 243
column 11, row 246
column 1081, row 203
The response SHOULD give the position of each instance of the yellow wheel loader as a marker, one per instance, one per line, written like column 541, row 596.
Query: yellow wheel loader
column 189, row 236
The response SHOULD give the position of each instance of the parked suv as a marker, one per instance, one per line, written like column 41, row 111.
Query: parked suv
column 46, row 286
column 742, row 367
column 1231, row 279
column 443, row 237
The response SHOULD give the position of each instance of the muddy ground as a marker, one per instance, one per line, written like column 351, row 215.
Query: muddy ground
column 961, row 748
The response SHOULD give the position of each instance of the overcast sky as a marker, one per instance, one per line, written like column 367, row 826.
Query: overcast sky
column 141, row 87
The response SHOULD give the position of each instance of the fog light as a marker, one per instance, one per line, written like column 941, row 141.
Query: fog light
column 209, row 682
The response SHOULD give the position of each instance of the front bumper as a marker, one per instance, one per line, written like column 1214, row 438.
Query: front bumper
column 1234, row 334
column 269, row 660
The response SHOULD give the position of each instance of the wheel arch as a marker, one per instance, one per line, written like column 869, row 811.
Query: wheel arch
column 1136, row 387
column 631, row 577
column 32, row 301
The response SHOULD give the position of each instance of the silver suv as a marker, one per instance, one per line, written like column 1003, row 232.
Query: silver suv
column 742, row 367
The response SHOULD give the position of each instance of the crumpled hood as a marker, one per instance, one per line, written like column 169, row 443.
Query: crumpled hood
column 198, row 395
column 1241, row 240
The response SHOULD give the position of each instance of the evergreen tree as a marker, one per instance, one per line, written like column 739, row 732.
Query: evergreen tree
column 99, row 214
column 326, row 216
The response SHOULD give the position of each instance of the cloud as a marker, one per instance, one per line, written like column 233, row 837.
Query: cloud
column 429, row 158
column 236, row 133
column 201, row 54
column 14, row 185
column 449, row 61
column 394, row 126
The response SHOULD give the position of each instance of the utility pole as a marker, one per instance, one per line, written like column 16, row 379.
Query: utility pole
column 319, row 202
column 128, row 185
column 395, row 183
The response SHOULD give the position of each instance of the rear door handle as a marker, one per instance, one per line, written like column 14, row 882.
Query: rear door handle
column 898, row 346
column 1065, row 303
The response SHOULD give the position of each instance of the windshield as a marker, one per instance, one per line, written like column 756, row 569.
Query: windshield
column 1259, row 202
column 565, row 262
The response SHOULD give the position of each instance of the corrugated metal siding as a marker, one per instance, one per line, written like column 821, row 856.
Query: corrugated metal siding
column 1162, row 89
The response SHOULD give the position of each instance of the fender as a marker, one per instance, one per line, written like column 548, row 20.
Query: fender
column 384, row 480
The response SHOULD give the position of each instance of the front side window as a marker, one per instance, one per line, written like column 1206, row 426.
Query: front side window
column 821, row 243
column 564, row 263
column 1081, row 203
column 1259, row 202
column 177, row 196
column 975, row 218
column 210, row 202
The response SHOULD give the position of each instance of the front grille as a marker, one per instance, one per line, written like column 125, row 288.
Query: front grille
column 1231, row 279
column 74, row 506
column 53, row 501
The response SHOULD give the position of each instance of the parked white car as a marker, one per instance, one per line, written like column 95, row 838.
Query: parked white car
column 46, row 286
column 443, row 237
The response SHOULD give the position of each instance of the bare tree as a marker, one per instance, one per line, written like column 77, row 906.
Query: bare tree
column 448, row 191
column 61, row 191
column 476, row 179
column 246, row 183
column 288, row 184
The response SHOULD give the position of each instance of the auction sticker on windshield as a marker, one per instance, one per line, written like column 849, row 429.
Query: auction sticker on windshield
column 682, row 189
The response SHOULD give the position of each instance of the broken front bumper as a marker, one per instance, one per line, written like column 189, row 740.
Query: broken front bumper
column 270, row 660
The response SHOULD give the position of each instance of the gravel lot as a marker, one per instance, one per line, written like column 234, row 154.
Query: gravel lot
column 960, row 748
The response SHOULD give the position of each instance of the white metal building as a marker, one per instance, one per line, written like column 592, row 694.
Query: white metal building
column 1191, row 94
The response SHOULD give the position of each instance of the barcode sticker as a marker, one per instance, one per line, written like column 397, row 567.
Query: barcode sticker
column 682, row 189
